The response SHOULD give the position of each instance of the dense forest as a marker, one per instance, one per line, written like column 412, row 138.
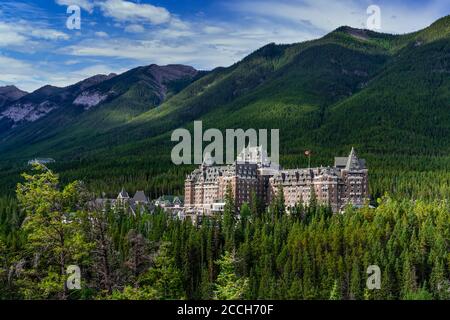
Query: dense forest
column 386, row 95
column 260, row 254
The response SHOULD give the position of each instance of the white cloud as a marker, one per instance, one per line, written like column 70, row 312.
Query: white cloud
column 10, row 65
column 22, row 32
column 72, row 62
column 101, row 34
column 30, row 77
column 202, row 42
column 204, row 46
column 48, row 34
column 213, row 29
column 325, row 15
column 129, row 11
column 84, row 4
column 96, row 69
column 178, row 28
column 150, row 51
column 134, row 28
column 18, row 73
column 10, row 37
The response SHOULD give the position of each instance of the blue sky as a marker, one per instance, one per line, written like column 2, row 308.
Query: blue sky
column 36, row 47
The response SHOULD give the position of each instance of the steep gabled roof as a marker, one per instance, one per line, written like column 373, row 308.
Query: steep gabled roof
column 140, row 197
column 123, row 194
column 352, row 162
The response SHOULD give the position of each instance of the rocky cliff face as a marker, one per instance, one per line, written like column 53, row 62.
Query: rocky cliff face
column 151, row 84
column 162, row 76
column 33, row 106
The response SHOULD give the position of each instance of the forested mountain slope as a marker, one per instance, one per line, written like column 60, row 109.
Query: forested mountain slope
column 387, row 95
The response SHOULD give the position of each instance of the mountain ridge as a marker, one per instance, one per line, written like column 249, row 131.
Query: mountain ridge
column 10, row 94
column 92, row 92
column 349, row 88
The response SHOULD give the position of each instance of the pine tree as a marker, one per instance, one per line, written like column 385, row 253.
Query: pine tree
column 409, row 285
column 228, row 286
column 245, row 212
column 255, row 205
column 105, row 262
column 164, row 277
column 229, row 220
column 138, row 259
column 277, row 207
column 206, row 286
column 355, row 283
column 54, row 230
column 335, row 292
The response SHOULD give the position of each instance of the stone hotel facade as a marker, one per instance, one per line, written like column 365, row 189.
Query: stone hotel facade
column 344, row 183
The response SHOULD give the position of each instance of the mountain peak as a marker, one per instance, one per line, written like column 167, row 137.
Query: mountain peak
column 10, row 93
column 92, row 81
column 47, row 89
column 360, row 34
column 12, row 90
column 172, row 67
column 170, row 72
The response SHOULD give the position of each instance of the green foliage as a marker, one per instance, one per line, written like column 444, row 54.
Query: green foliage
column 421, row 294
column 309, row 255
column 130, row 293
column 164, row 276
column 277, row 207
column 334, row 294
column 228, row 286
column 373, row 91
column 386, row 95
column 53, row 231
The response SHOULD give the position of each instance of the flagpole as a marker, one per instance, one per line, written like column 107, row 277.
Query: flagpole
column 308, row 154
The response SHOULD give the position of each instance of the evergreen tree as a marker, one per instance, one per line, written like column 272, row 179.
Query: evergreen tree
column 229, row 219
column 228, row 285
column 164, row 277
column 53, row 231
column 335, row 294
